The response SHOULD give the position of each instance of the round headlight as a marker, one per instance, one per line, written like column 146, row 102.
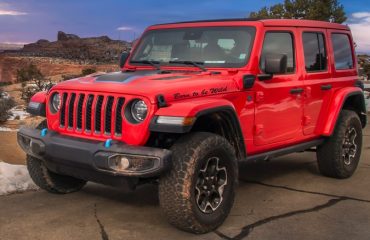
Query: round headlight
column 139, row 110
column 55, row 102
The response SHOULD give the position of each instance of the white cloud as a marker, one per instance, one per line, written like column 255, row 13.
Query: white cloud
column 15, row 43
column 360, row 27
column 125, row 28
column 11, row 13
column 361, row 15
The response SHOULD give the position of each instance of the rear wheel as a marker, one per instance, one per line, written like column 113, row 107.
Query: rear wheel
column 339, row 156
column 198, row 192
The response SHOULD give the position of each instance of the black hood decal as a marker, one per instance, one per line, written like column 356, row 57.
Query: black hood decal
column 171, row 77
column 123, row 77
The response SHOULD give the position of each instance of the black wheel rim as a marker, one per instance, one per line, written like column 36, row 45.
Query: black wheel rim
column 210, row 185
column 349, row 147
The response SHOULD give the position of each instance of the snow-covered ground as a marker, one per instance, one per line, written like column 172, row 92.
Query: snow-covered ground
column 367, row 96
column 18, row 113
column 6, row 129
column 14, row 179
column 4, row 95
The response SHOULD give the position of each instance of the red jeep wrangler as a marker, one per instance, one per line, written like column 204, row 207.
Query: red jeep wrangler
column 193, row 100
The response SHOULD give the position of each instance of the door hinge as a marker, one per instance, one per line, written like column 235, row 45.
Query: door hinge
column 258, row 129
column 306, row 120
column 260, row 96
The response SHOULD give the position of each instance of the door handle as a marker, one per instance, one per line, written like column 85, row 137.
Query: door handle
column 296, row 91
column 326, row 87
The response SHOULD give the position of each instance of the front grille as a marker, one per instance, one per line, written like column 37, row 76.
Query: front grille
column 92, row 113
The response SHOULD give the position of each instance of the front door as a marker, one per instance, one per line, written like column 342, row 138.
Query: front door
column 279, row 100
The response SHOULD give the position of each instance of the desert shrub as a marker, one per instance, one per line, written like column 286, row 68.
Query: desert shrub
column 5, row 83
column 31, row 88
column 70, row 76
column 33, row 81
column 6, row 103
column 88, row 71
column 28, row 73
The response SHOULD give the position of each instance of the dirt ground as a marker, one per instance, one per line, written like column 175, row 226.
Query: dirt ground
column 286, row 198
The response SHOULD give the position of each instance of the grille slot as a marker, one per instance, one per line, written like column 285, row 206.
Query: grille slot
column 62, row 110
column 79, row 111
column 108, row 115
column 118, row 125
column 71, row 110
column 89, row 104
column 98, row 110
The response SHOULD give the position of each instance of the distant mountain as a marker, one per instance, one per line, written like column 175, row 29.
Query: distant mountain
column 70, row 46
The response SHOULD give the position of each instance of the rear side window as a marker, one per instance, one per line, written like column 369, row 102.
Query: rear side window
column 314, row 51
column 278, row 43
column 342, row 51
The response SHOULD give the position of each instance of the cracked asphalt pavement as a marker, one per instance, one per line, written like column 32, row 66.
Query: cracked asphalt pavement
column 285, row 198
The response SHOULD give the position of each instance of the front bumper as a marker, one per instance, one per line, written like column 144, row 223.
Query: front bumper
column 89, row 160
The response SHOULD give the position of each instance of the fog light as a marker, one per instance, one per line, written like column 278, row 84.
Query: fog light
column 119, row 163
column 132, row 163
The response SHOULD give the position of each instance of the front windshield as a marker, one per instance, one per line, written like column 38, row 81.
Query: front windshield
column 209, row 46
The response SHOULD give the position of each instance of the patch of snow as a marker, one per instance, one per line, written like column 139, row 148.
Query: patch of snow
column 18, row 112
column 4, row 95
column 367, row 99
column 6, row 129
column 14, row 179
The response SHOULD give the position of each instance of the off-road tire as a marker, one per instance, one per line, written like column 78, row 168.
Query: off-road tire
column 48, row 180
column 177, row 193
column 330, row 157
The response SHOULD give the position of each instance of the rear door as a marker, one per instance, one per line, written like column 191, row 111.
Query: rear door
column 317, row 77
column 279, row 100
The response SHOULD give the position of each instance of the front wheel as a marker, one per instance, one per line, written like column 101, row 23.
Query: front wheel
column 340, row 154
column 198, row 192
column 49, row 181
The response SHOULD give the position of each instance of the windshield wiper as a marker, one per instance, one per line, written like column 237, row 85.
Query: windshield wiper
column 155, row 64
column 196, row 64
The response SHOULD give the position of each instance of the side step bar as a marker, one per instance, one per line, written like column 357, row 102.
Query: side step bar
column 284, row 151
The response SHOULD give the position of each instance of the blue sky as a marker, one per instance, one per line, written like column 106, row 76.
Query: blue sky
column 29, row 20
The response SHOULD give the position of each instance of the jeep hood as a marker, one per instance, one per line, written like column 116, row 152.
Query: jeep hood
column 173, row 86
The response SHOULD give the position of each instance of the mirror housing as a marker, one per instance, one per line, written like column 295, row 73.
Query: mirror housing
column 123, row 59
column 248, row 81
column 276, row 63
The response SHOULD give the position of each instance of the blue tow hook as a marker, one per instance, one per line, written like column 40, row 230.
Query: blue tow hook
column 108, row 143
column 44, row 132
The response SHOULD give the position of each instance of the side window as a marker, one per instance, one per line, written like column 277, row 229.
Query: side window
column 278, row 43
column 342, row 51
column 314, row 51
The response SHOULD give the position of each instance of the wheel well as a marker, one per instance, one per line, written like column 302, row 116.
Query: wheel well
column 356, row 103
column 223, row 123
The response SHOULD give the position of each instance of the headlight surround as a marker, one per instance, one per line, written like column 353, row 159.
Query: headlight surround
column 55, row 102
column 138, row 110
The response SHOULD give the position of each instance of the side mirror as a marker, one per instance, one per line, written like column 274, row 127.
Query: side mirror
column 274, row 64
column 123, row 59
